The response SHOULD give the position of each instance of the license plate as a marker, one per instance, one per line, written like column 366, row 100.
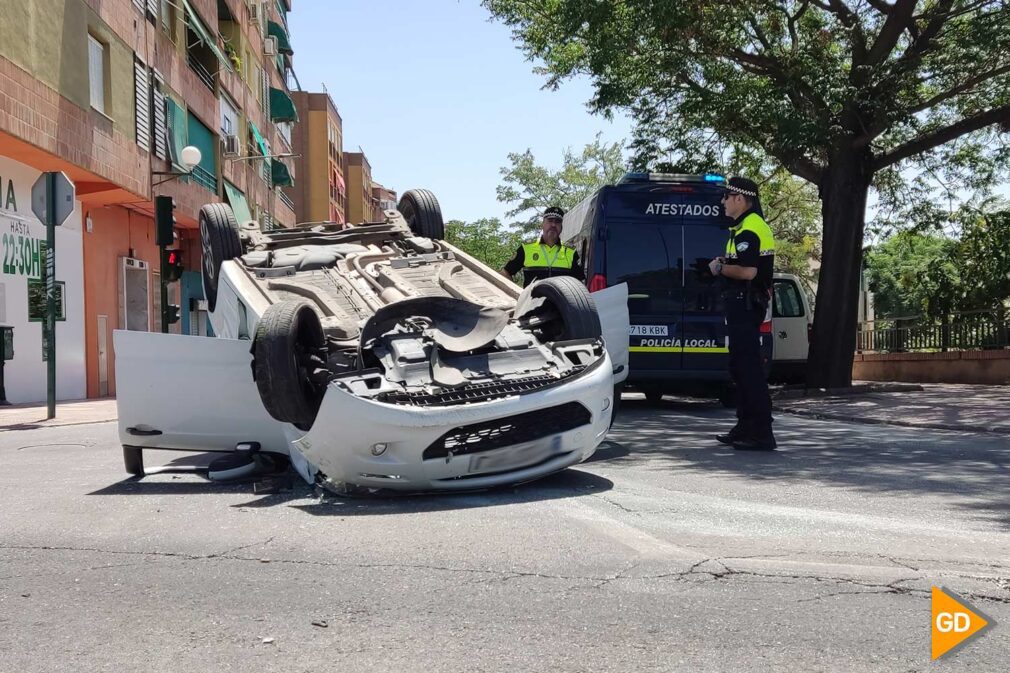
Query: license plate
column 649, row 330
column 527, row 453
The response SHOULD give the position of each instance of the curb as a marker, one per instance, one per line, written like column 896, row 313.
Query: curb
column 993, row 430
column 788, row 393
column 36, row 425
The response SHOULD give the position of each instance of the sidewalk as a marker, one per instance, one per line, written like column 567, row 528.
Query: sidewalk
column 29, row 416
column 967, row 408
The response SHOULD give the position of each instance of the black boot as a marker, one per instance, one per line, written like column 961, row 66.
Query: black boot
column 736, row 433
column 762, row 442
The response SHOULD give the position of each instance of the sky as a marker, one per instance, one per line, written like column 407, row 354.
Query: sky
column 437, row 95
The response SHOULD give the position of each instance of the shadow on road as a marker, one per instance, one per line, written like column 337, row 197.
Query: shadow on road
column 182, row 476
column 678, row 434
column 566, row 484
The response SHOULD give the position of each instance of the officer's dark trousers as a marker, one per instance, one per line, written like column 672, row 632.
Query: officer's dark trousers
column 753, row 407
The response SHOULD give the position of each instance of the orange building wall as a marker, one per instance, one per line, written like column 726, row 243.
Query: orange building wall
column 114, row 232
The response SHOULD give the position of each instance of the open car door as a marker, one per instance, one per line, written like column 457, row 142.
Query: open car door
column 192, row 393
column 612, row 306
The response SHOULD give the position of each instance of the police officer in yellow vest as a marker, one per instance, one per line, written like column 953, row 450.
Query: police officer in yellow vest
column 547, row 257
column 747, row 270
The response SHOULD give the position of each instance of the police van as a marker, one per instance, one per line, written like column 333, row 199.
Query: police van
column 657, row 232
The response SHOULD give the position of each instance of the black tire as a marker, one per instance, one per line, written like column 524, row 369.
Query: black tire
column 654, row 396
column 423, row 214
column 727, row 397
column 219, row 242
column 287, row 336
column 574, row 304
column 133, row 460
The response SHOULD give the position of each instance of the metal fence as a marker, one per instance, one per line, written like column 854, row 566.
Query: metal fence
column 968, row 330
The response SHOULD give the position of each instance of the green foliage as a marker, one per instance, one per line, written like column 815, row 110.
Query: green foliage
column 800, row 81
column 486, row 239
column 914, row 273
column 530, row 188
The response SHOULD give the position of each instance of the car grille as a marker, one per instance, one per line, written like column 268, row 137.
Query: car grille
column 477, row 392
column 527, row 427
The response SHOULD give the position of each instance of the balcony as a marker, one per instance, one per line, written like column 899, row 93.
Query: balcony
column 285, row 199
column 202, row 73
column 204, row 178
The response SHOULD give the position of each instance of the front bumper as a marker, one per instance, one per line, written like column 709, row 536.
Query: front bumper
column 347, row 428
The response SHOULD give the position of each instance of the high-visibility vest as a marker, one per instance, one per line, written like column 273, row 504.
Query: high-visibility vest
column 756, row 223
column 540, row 256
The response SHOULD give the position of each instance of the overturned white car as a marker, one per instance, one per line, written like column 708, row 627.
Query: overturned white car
column 376, row 356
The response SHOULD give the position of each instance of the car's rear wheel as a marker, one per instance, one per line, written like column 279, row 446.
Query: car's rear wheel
column 288, row 348
column 574, row 305
column 423, row 214
column 219, row 242
column 654, row 396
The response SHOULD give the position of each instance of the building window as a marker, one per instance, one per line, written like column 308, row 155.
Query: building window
column 229, row 117
column 96, row 73
column 142, row 103
column 168, row 19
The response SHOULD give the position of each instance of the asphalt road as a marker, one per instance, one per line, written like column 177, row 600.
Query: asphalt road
column 667, row 552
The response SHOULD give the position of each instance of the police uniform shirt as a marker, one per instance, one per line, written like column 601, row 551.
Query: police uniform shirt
column 751, row 244
column 538, row 261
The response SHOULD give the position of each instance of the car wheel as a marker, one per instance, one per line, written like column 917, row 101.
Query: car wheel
column 287, row 349
column 653, row 396
column 423, row 214
column 574, row 305
column 219, row 242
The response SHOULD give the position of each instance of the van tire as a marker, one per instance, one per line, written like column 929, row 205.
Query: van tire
column 654, row 396
column 287, row 335
column 423, row 214
column 574, row 304
column 219, row 242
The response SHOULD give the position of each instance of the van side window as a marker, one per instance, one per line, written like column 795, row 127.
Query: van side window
column 788, row 303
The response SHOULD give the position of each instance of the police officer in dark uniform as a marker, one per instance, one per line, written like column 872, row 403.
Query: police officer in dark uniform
column 547, row 257
column 747, row 270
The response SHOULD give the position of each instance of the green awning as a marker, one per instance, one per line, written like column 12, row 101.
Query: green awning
column 283, row 42
column 282, row 108
column 193, row 19
column 280, row 176
column 259, row 138
column 238, row 202
column 260, row 142
column 178, row 131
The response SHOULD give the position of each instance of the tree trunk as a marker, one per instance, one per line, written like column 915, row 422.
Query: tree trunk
column 843, row 188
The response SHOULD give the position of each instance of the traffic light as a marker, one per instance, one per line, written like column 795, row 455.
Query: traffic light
column 173, row 265
column 164, row 221
column 171, row 313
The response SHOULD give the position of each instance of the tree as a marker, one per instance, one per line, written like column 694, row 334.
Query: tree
column 530, row 188
column 838, row 92
column 912, row 274
column 486, row 239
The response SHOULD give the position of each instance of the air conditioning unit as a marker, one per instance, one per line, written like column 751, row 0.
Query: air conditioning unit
column 270, row 46
column 230, row 146
column 255, row 11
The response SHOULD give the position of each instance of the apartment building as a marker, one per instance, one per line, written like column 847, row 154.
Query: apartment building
column 318, row 138
column 110, row 93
